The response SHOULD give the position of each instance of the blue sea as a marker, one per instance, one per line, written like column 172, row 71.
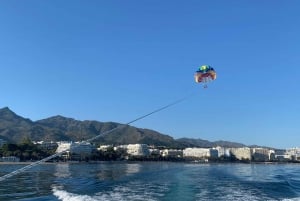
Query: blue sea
column 152, row 181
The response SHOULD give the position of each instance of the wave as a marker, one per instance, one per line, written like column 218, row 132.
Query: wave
column 66, row 196
column 118, row 193
column 239, row 182
column 123, row 193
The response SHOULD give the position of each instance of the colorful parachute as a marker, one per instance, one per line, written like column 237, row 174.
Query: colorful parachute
column 205, row 74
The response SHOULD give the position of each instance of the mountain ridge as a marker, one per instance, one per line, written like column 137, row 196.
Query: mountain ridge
column 14, row 128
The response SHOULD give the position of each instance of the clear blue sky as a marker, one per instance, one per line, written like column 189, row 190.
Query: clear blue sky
column 118, row 60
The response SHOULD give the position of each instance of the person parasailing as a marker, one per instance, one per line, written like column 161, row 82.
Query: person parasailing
column 205, row 74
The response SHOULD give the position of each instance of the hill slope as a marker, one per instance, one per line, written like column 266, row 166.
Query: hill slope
column 14, row 128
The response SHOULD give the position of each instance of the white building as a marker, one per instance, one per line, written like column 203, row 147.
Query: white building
column 171, row 153
column 282, row 155
column 120, row 147
column 243, row 153
column 63, row 146
column 75, row 148
column 9, row 159
column 294, row 153
column 104, row 147
column 200, row 152
column 137, row 150
column 155, row 152
column 82, row 148
column 223, row 152
column 46, row 145
column 262, row 154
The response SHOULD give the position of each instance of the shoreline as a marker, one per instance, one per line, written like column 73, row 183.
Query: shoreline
column 132, row 161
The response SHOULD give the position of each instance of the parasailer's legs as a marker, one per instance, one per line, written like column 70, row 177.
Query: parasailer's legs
column 205, row 81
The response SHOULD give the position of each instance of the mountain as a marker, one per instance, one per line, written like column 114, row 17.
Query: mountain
column 12, row 125
column 14, row 128
column 81, row 130
column 188, row 142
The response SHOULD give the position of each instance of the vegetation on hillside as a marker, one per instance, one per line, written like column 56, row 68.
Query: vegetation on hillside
column 14, row 128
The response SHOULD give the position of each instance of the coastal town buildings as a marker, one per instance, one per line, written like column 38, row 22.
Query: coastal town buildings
column 256, row 154
column 294, row 153
column 173, row 153
column 87, row 151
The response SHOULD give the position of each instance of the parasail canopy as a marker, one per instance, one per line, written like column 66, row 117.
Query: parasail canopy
column 205, row 74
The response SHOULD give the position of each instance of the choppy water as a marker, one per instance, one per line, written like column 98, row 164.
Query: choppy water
column 152, row 181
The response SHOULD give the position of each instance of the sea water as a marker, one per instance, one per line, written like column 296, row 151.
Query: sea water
column 152, row 181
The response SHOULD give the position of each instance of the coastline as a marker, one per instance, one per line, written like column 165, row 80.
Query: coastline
column 162, row 161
